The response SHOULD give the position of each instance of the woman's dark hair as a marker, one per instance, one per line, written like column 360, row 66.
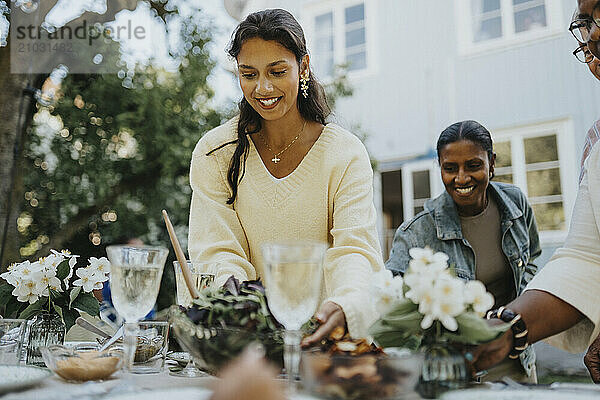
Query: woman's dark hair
column 279, row 26
column 467, row 130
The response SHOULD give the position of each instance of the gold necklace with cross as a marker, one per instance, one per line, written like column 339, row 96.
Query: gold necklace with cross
column 276, row 158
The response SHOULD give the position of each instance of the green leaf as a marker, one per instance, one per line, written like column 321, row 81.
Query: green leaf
column 69, row 317
column 86, row 302
column 6, row 293
column 395, row 331
column 73, row 295
column 58, row 310
column 472, row 329
column 14, row 308
column 63, row 269
column 34, row 309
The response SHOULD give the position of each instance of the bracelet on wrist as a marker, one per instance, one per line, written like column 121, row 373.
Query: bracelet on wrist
column 517, row 326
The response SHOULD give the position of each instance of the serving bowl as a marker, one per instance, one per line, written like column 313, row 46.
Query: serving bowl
column 357, row 377
column 212, row 347
column 82, row 362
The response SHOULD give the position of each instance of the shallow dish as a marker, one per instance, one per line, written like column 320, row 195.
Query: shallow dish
column 358, row 377
column 82, row 362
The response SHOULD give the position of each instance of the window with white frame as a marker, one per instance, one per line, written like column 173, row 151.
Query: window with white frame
column 486, row 24
column 420, row 182
column 339, row 36
column 539, row 159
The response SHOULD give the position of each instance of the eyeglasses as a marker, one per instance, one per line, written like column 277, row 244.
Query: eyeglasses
column 583, row 54
column 581, row 26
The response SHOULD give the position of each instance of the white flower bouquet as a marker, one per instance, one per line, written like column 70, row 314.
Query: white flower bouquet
column 430, row 303
column 53, row 284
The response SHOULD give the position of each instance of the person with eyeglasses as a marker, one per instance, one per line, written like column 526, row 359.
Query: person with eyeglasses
column 560, row 304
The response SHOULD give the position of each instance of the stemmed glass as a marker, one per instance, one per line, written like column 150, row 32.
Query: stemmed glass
column 203, row 276
column 135, row 277
column 293, row 276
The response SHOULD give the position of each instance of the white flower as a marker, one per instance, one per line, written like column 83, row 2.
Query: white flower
column 48, row 280
column 420, row 284
column 101, row 265
column 27, row 270
column 445, row 302
column 387, row 290
column 87, row 279
column 478, row 297
column 426, row 256
column 27, row 291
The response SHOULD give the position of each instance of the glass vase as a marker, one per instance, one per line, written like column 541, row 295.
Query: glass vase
column 444, row 368
column 45, row 329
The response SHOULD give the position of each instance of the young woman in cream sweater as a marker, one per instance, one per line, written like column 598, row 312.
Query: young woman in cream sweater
column 279, row 171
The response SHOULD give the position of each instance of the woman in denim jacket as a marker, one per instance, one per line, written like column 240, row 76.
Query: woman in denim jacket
column 487, row 229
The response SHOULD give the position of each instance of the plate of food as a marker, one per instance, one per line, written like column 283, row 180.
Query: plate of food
column 346, row 368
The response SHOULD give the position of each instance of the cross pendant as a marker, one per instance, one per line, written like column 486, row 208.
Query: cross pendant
column 275, row 159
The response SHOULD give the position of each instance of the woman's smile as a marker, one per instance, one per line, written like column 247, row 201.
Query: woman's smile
column 268, row 102
column 464, row 191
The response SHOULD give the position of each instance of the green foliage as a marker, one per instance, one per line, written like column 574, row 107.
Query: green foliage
column 473, row 329
column 401, row 327
column 115, row 151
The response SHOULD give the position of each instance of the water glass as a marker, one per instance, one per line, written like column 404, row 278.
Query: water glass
column 135, row 276
column 293, row 276
column 12, row 336
column 203, row 275
column 151, row 348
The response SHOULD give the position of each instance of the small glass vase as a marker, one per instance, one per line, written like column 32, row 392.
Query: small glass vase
column 444, row 368
column 45, row 329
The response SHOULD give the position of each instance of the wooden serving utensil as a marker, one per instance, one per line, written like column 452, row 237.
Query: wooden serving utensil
column 187, row 274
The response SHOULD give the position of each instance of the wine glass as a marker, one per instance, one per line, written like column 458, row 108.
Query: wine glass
column 135, row 276
column 203, row 276
column 293, row 276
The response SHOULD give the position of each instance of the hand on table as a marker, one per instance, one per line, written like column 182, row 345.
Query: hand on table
column 330, row 316
column 489, row 354
column 592, row 360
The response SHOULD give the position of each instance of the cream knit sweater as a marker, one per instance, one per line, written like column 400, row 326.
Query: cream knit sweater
column 328, row 198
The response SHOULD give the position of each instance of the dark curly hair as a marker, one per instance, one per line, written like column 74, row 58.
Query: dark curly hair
column 280, row 26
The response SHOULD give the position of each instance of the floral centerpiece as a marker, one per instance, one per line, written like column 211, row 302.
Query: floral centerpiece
column 221, row 322
column 54, row 285
column 431, row 308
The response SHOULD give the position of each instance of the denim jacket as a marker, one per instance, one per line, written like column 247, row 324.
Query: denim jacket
column 438, row 226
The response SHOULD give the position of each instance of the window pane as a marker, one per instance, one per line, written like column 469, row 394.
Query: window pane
column 540, row 149
column 356, row 61
column 323, row 44
column 355, row 13
column 503, row 154
column 324, row 23
column 543, row 183
column 530, row 19
column 355, row 37
column 479, row 7
column 421, row 184
column 417, row 210
column 487, row 29
column 549, row 216
column 508, row 178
